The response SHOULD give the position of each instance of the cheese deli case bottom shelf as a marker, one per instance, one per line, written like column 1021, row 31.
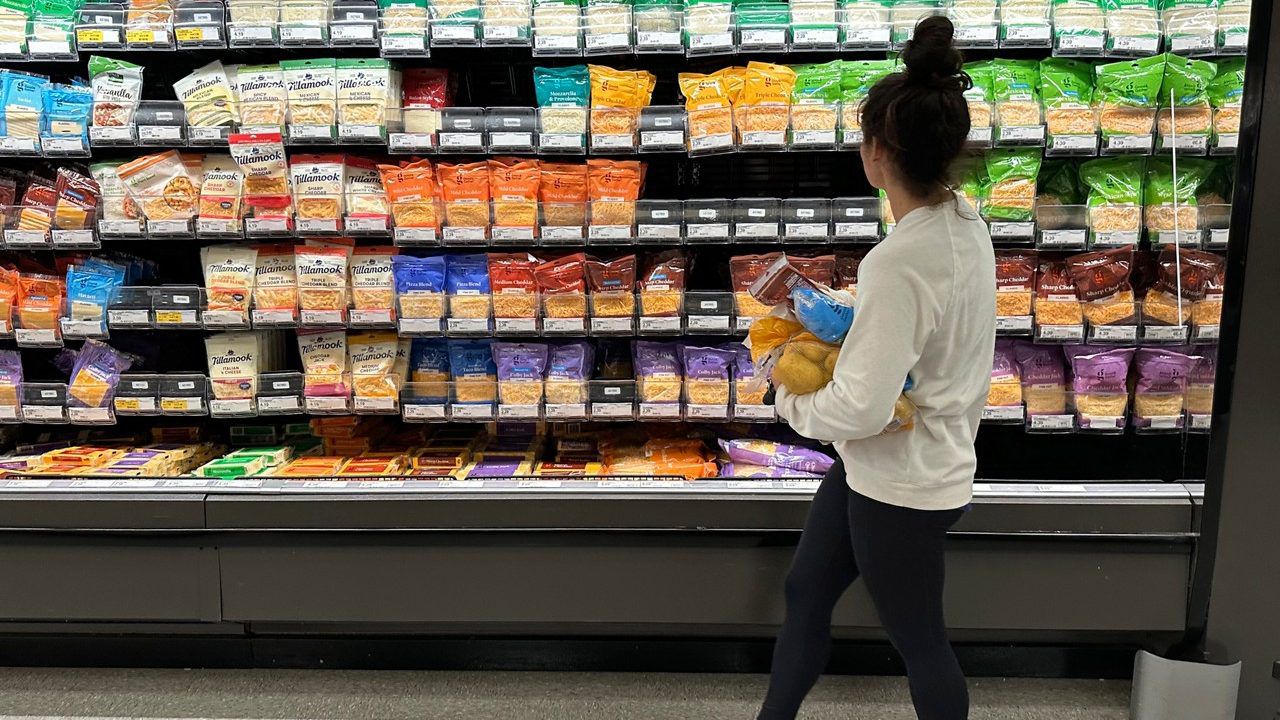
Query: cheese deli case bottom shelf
column 1078, row 563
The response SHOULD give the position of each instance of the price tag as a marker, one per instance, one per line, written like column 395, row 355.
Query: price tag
column 91, row 415
column 9, row 413
column 1080, row 42
column 469, row 411
column 1013, row 230
column 182, row 405
column 63, row 145
column 607, row 41
column 224, row 318
column 251, row 33
column 1027, row 33
column 707, row 412
column 711, row 41
column 367, row 133
column 660, row 324
column 609, row 232
column 1063, row 238
column 819, row 37
column 1051, row 422
column 561, row 141
column 44, row 413
column 453, row 32
column 1135, row 143
column 410, row 141
column 94, row 37
column 25, row 238
column 866, row 36
column 375, row 404
column 129, row 318
column 502, row 32
column 512, row 234
column 135, row 404
column 976, row 35
column 862, row 230
column 74, row 238
column 323, row 317
column 544, row 41
column 1074, row 143
column 1018, row 324
column 169, row 227
column 1208, row 332
column 1201, row 422
column 1165, row 333
column 517, row 140
column 468, row 140
column 351, row 32
column 1022, row 134
column 708, row 323
column 612, row 142
column 200, row 34
column 998, row 413
column 813, row 137
column 1061, row 333
column 176, row 317
column 661, row 138
column 518, row 412
column 468, row 326
column 404, row 43
column 660, row 411
column 1190, row 143
column 515, row 325
column 18, row 145
column 562, row 232
column 658, row 232
column 1164, row 422
column 300, row 33
column 216, row 226
column 753, row 38
column 269, row 318
column 105, row 133
column 83, row 328
column 321, row 404
column 1139, row 44
column 612, row 410
column 807, row 230
column 37, row 337
column 144, row 36
column 415, row 235
column 564, row 325
column 754, row 412
column 464, row 234
column 318, row 225
column 310, row 132
column 1115, row 239
column 650, row 39
column 612, row 325
column 709, row 230
column 365, row 318
column 416, row 411
column 419, row 326
column 719, row 141
column 1228, row 141
column 238, row 406
column 279, row 404
column 1113, row 333
column 565, row 411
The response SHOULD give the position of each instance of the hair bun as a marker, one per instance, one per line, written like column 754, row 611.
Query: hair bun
column 931, row 58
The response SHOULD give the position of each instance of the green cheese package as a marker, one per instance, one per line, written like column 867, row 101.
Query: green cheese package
column 1184, row 96
column 1066, row 88
column 1216, row 188
column 1133, row 26
column 814, row 97
column 1127, row 94
column 563, row 94
column 1079, row 24
column 856, row 79
column 1115, row 193
column 972, row 181
column 1016, row 88
column 1058, row 184
column 1161, row 189
column 1226, row 96
column 1190, row 25
column 1012, row 194
column 982, row 94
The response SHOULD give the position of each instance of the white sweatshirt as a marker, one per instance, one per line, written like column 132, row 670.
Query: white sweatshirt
column 925, row 308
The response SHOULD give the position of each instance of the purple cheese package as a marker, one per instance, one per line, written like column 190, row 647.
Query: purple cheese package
column 774, row 454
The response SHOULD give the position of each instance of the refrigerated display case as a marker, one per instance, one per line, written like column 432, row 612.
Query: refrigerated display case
column 251, row 388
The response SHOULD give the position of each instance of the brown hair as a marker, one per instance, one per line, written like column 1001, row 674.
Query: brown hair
column 921, row 115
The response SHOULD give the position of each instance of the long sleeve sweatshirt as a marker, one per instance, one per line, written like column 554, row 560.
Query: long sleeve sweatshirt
column 925, row 307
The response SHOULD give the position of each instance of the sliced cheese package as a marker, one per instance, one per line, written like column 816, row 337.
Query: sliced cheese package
column 95, row 372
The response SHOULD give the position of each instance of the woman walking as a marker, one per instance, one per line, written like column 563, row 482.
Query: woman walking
column 925, row 309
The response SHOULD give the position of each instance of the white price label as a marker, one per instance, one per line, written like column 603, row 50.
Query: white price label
column 603, row 410
column 502, row 32
column 657, row 39
column 866, row 36
column 754, row 412
column 807, row 230
column 764, row 138
column 514, row 140
column 1022, row 133
column 1208, row 332
column 976, row 34
column 1144, row 44
column 317, row 403
column 1083, row 42
column 661, row 138
column 468, row 326
column 816, row 37
column 704, row 143
column 1051, row 422
column 512, row 234
column 415, row 235
column 660, row 324
column 609, row 232
column 375, row 404
column 612, row 141
column 366, row 224
column 461, row 140
column 545, row 41
column 755, row 230
column 1017, row 230
column 169, row 227
column 83, row 328
column 1190, row 143
column 707, row 412
column 215, row 226
column 43, row 413
column 74, row 238
column 997, row 413
column 1014, row 324
column 410, row 141
column 1063, row 238
column 564, row 325
column 565, row 411
column 1113, row 333
column 612, row 324
column 38, row 337
column 417, row 411
column 470, row 411
column 351, row 32
column 813, row 137
column 857, row 230
column 250, row 33
column 453, row 32
column 660, row 411
column 709, row 323
column 279, row 404
column 1137, row 143
column 366, row 318
column 1165, row 333
column 1074, row 143
column 124, row 318
column 1062, row 333
column 1201, row 422
column 26, row 238
column 464, row 234
column 711, row 41
column 238, row 406
column 265, row 226
column 1228, row 141
column 360, row 132
column 1028, row 33
column 562, row 141
column 518, row 412
column 269, row 318
column 322, row 317
column 607, row 41
column 1115, row 239
column 420, row 326
column 762, row 37
column 709, row 230
column 658, row 232
column 515, row 325
column 102, row 133
column 562, row 232
column 62, row 145
column 404, row 43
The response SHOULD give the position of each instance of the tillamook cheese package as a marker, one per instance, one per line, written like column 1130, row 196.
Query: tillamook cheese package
column 233, row 364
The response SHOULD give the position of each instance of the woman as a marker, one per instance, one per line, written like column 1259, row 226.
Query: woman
column 925, row 309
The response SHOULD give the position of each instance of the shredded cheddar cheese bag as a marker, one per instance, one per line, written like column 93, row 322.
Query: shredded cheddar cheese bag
column 514, row 287
column 465, row 189
column 324, row 362
column 562, row 188
column 706, row 98
column 411, row 189
column 372, row 280
column 322, row 277
column 372, row 358
column 624, row 91
column 275, row 285
column 228, row 276
column 614, row 187
column 514, row 185
column 764, row 103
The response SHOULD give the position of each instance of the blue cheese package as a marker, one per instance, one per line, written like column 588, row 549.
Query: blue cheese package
column 473, row 372
column 66, row 110
column 466, row 281
column 23, row 103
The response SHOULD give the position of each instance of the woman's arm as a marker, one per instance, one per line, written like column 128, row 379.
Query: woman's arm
column 898, row 309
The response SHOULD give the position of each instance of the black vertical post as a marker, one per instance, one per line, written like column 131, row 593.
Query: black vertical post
column 1235, row 599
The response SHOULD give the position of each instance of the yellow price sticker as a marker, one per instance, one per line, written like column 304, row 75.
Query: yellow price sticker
column 89, row 35
column 189, row 34
column 174, row 404
column 128, row 404
column 168, row 317
column 138, row 35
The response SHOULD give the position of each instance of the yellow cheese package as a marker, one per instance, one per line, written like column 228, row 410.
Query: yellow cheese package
column 94, row 373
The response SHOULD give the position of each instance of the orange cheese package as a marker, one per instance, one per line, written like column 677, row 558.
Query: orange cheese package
column 613, row 187
column 562, row 188
column 9, row 290
column 563, row 286
column 322, row 278
column 411, row 190
column 514, row 187
column 513, row 284
column 706, row 99
column 465, row 190
column 39, row 301
column 766, row 96
column 616, row 99
column 372, row 279
column 261, row 158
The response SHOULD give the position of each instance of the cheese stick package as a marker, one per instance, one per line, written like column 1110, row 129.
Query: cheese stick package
column 322, row 278
column 373, row 279
column 234, row 360
column 275, row 285
column 324, row 362
column 228, row 276
column 207, row 97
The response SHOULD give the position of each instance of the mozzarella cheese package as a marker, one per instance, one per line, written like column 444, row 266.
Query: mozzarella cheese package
column 233, row 364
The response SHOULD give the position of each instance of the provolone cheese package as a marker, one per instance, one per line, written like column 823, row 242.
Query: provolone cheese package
column 233, row 364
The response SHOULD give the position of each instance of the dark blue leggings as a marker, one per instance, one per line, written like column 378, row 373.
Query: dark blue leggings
column 899, row 552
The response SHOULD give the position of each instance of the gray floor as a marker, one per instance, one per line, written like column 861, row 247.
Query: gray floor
column 374, row 695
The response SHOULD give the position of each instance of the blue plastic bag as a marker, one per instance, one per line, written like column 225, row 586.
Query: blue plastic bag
column 821, row 314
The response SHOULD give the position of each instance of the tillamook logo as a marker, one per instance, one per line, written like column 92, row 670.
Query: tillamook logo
column 317, row 345
column 372, row 354
column 309, row 82
column 319, row 267
column 371, row 267
column 231, row 358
